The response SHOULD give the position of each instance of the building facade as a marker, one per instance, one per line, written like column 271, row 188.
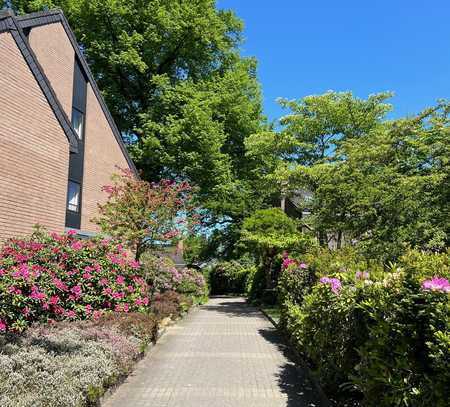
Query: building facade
column 58, row 142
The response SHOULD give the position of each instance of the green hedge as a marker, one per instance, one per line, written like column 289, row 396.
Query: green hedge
column 229, row 277
column 378, row 337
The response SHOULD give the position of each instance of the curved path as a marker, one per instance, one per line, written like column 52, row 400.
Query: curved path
column 225, row 354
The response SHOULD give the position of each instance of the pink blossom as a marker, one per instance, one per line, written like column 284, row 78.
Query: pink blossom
column 134, row 264
column 36, row 294
column 14, row 290
column 59, row 284
column 87, row 276
column 71, row 232
column 361, row 275
column 130, row 289
column 139, row 302
column 120, row 280
column 76, row 290
column 103, row 281
column 58, row 309
column 114, row 259
column 287, row 262
column 335, row 283
column 436, row 284
column 70, row 314
column 107, row 291
column 3, row 325
column 77, row 245
column 54, row 299
column 118, row 295
column 303, row 266
column 26, row 311
column 126, row 307
column 88, row 309
column 55, row 236
column 2, row 272
column 97, row 314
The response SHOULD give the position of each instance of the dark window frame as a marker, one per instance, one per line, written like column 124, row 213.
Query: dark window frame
column 83, row 118
column 78, row 210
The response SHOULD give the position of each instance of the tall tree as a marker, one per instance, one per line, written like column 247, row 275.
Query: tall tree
column 184, row 98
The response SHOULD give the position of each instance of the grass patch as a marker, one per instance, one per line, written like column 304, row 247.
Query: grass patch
column 273, row 311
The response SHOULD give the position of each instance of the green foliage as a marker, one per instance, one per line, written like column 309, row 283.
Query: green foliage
column 319, row 124
column 230, row 277
column 381, row 338
column 185, row 100
column 381, row 185
column 272, row 229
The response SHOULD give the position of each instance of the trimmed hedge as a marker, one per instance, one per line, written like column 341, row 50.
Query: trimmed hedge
column 229, row 277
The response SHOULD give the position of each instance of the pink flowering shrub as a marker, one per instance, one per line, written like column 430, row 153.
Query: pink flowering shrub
column 162, row 275
column 51, row 277
column 437, row 284
column 382, row 334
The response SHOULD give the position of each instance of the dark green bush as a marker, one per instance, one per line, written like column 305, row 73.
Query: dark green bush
column 229, row 277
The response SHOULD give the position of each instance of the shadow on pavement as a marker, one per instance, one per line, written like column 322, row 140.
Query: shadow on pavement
column 292, row 379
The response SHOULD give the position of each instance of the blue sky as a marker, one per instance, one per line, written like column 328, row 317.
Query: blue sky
column 308, row 47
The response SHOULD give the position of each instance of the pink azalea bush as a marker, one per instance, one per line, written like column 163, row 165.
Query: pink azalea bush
column 334, row 283
column 383, row 332
column 162, row 275
column 436, row 284
column 50, row 277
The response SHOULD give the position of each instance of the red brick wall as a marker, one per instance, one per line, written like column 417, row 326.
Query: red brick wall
column 56, row 55
column 101, row 156
column 34, row 151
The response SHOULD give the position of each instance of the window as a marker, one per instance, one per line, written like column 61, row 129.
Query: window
column 73, row 197
column 77, row 122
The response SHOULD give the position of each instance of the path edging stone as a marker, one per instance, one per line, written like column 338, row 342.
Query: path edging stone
column 298, row 359
column 149, row 348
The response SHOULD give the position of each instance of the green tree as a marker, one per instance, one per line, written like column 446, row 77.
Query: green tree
column 184, row 98
column 388, row 188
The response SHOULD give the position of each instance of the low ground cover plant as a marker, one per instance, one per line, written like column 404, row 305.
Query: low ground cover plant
column 50, row 277
column 379, row 337
column 70, row 364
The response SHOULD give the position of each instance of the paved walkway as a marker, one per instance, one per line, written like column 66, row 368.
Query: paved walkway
column 226, row 354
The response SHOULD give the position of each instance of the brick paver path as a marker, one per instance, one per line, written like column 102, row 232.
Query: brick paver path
column 226, row 354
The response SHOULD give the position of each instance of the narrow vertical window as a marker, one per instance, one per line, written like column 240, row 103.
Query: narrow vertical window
column 74, row 206
column 73, row 197
column 78, row 122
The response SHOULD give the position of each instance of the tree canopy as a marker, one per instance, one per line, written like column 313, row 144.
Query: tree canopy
column 178, row 88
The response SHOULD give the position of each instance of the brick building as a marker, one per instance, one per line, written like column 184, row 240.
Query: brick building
column 58, row 142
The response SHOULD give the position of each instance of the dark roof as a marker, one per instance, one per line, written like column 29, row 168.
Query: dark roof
column 8, row 22
column 55, row 16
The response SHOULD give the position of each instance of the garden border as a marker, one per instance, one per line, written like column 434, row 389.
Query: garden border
column 298, row 359
column 99, row 402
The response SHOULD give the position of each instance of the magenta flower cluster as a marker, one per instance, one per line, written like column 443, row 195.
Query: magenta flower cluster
column 51, row 277
column 436, row 284
column 335, row 283
column 288, row 262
